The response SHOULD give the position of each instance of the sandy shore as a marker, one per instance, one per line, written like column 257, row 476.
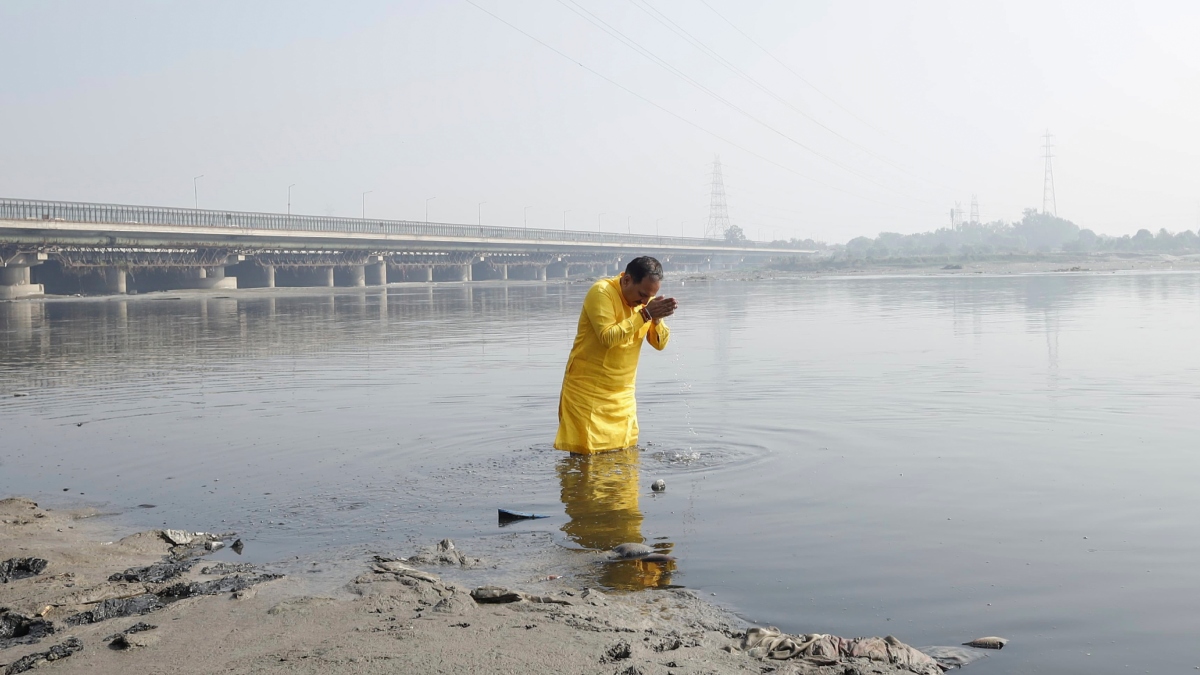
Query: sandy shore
column 389, row 616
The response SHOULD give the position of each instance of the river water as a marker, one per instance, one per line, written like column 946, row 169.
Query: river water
column 938, row 458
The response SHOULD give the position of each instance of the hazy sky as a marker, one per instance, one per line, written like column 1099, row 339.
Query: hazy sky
column 904, row 109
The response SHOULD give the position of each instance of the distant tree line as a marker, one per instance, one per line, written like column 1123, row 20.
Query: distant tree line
column 1034, row 233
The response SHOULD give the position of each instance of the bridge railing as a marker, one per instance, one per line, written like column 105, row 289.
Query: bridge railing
column 120, row 214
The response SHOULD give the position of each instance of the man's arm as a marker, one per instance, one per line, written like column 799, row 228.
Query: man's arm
column 659, row 335
column 599, row 309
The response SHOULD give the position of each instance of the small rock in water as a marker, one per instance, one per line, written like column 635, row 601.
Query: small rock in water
column 19, row 394
column 987, row 643
column 238, row 546
column 632, row 550
column 214, row 545
column 635, row 551
column 178, row 537
column 659, row 485
column 952, row 657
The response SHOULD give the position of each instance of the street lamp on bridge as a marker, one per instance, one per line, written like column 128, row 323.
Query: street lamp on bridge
column 599, row 216
column 479, row 214
column 427, row 200
column 364, row 210
column 290, row 198
column 527, row 217
column 196, row 189
column 565, row 219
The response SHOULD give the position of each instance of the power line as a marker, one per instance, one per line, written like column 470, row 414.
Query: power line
column 666, row 21
column 806, row 82
column 674, row 114
column 632, row 44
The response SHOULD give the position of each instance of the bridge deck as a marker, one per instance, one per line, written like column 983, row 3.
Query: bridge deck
column 82, row 224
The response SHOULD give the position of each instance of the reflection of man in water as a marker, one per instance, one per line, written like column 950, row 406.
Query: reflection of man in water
column 600, row 493
column 597, row 410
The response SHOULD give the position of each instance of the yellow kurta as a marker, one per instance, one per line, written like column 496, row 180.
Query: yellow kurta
column 597, row 410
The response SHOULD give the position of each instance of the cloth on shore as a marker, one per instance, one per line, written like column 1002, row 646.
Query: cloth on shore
column 771, row 643
column 597, row 410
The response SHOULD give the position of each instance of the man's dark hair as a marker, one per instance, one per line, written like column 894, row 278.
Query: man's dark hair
column 644, row 266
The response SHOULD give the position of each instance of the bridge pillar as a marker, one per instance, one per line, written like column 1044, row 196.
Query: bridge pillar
column 114, row 279
column 503, row 271
column 207, row 278
column 253, row 274
column 465, row 272
column 218, row 279
column 325, row 276
column 15, row 283
column 378, row 275
column 358, row 276
column 429, row 274
column 541, row 274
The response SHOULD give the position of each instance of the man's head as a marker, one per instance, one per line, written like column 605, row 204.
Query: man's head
column 643, row 276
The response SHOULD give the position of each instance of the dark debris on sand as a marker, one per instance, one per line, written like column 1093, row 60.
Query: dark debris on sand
column 17, row 629
column 21, row 568
column 58, row 651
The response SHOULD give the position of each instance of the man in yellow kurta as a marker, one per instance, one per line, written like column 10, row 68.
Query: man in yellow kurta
column 597, row 410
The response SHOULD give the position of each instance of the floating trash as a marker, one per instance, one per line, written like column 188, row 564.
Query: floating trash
column 507, row 516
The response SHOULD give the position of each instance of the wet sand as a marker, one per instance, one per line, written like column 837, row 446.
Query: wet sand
column 387, row 616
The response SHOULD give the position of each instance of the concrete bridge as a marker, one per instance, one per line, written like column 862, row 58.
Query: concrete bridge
column 70, row 247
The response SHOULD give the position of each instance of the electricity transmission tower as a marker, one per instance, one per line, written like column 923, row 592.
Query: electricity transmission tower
column 974, row 209
column 1048, row 202
column 718, row 212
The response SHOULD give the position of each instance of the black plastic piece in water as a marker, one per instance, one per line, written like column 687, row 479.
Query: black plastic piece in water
column 507, row 516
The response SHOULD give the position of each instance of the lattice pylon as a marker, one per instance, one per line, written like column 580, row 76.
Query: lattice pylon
column 1049, row 203
column 718, row 211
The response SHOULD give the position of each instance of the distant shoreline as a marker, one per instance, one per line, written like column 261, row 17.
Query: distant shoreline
column 995, row 264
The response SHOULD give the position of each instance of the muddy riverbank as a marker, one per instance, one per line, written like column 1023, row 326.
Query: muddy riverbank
column 83, row 599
